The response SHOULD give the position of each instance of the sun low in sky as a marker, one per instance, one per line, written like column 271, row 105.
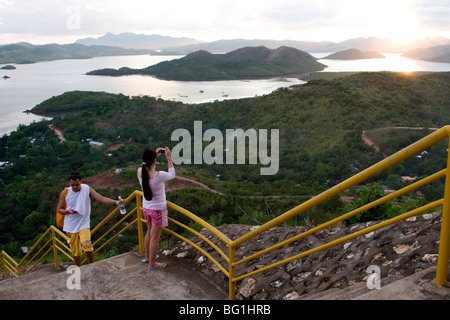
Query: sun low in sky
column 64, row 21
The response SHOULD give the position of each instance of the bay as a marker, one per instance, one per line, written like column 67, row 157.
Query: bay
column 392, row 62
column 31, row 84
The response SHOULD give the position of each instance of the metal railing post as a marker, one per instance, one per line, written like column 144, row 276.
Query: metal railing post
column 139, row 222
column 231, row 272
column 5, row 269
column 444, row 242
column 55, row 250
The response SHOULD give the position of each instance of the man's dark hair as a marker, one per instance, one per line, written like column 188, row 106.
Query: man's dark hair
column 75, row 176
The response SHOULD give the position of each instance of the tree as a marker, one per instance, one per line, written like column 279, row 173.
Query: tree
column 366, row 195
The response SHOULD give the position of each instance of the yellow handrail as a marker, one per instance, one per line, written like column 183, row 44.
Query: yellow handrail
column 55, row 244
column 421, row 145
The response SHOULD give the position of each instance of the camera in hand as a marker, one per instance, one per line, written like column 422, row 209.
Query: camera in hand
column 163, row 150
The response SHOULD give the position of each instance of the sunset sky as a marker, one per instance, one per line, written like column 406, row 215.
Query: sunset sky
column 64, row 21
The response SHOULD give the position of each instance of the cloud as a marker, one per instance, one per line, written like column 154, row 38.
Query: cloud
column 212, row 20
column 434, row 14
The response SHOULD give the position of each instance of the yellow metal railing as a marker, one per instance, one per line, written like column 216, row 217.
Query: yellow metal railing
column 419, row 146
column 54, row 244
column 49, row 242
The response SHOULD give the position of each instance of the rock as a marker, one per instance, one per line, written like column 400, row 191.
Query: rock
column 350, row 255
column 214, row 268
column 430, row 258
column 415, row 245
column 320, row 272
column 401, row 248
column 182, row 254
column 387, row 263
column 300, row 277
column 294, row 265
column 370, row 234
column 277, row 284
column 346, row 245
column 410, row 230
column 291, row 296
column 378, row 257
column 247, row 289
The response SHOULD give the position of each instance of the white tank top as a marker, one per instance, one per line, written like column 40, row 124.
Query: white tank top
column 81, row 202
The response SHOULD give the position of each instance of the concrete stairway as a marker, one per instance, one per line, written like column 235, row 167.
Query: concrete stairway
column 418, row 286
column 123, row 277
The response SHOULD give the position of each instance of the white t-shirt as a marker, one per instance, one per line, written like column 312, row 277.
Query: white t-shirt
column 157, row 185
column 80, row 202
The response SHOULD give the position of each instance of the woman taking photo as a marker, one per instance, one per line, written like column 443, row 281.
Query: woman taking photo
column 154, row 205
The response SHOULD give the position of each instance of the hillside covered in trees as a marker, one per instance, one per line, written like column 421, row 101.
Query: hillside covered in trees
column 244, row 63
column 24, row 52
column 320, row 125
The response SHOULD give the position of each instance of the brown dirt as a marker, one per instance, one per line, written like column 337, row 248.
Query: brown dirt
column 103, row 181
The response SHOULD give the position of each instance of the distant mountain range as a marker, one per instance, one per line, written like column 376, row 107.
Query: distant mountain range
column 188, row 45
column 244, row 63
column 430, row 49
column 138, row 41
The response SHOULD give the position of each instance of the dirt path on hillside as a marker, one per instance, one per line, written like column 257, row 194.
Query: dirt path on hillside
column 58, row 132
column 103, row 181
column 371, row 143
column 195, row 182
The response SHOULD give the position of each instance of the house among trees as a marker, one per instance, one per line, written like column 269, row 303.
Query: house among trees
column 96, row 144
column 409, row 179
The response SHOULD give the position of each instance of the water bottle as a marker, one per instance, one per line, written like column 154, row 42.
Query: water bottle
column 122, row 208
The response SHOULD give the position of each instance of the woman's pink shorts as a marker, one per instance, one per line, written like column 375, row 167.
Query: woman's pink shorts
column 157, row 218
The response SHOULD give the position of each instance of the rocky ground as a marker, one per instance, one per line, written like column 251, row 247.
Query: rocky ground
column 406, row 252
column 399, row 250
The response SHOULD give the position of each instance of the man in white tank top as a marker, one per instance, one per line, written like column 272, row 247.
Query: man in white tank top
column 76, row 208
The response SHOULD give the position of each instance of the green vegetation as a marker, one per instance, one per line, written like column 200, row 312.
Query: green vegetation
column 320, row 125
column 75, row 101
column 27, row 53
column 8, row 67
column 353, row 54
column 245, row 63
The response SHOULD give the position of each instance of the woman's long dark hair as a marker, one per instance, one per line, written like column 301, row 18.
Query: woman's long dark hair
column 148, row 157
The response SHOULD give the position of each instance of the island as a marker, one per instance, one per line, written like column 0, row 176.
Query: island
column 8, row 67
column 433, row 54
column 24, row 53
column 354, row 54
column 244, row 63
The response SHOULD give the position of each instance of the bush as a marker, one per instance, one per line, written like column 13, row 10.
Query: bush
column 366, row 195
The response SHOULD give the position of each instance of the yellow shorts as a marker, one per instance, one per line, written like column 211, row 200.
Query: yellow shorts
column 80, row 242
